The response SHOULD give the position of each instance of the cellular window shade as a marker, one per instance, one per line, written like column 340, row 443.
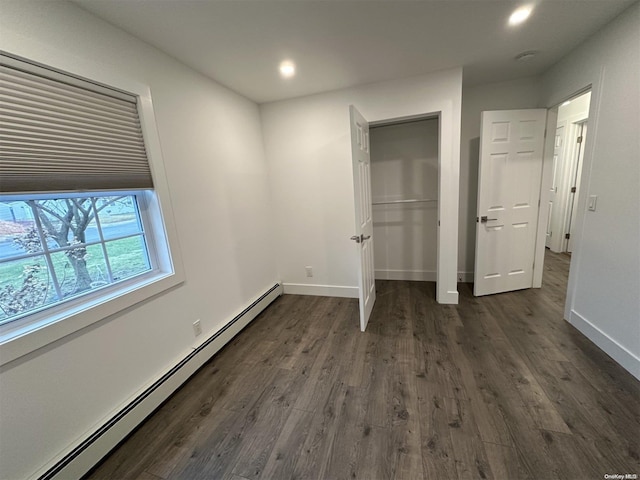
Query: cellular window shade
column 66, row 134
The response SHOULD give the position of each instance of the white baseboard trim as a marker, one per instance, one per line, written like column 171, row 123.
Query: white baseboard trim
column 81, row 457
column 608, row 345
column 450, row 297
column 320, row 290
column 419, row 275
column 413, row 275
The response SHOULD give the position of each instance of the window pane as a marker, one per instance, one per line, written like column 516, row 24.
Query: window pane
column 118, row 216
column 18, row 233
column 128, row 257
column 25, row 285
column 80, row 269
column 79, row 231
column 67, row 221
column 18, row 238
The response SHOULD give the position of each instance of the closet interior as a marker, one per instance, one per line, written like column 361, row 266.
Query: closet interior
column 404, row 190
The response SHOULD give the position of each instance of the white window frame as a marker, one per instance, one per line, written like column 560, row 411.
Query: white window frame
column 32, row 332
column 155, row 243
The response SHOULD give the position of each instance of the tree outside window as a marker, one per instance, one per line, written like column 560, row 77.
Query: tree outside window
column 52, row 250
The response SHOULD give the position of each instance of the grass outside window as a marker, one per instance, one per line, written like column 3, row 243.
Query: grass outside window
column 52, row 250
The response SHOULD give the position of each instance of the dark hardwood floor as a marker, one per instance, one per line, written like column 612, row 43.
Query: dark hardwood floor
column 495, row 387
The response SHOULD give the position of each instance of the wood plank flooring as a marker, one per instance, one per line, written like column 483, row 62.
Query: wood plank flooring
column 498, row 387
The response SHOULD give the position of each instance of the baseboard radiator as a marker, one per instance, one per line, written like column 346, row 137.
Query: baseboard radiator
column 96, row 446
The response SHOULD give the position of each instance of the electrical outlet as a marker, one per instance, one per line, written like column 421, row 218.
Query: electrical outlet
column 197, row 328
column 309, row 271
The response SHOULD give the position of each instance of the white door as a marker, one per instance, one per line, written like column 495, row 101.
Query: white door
column 361, row 159
column 510, row 174
column 575, row 187
column 557, row 155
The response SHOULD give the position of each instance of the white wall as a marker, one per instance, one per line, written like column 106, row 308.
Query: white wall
column 404, row 165
column 307, row 143
column 213, row 154
column 511, row 95
column 604, row 282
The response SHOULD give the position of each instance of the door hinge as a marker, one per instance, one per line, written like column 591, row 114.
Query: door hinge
column 580, row 139
column 573, row 189
column 567, row 235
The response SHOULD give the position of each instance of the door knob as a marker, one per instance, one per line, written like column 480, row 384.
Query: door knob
column 484, row 219
column 360, row 238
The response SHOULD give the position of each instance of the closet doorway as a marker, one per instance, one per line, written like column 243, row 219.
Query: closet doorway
column 404, row 193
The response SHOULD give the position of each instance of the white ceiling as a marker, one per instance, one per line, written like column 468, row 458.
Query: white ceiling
column 341, row 43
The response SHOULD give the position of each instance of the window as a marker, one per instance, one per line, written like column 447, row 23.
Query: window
column 82, row 234
column 56, row 249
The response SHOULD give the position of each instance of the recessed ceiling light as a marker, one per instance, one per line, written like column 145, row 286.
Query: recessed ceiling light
column 287, row 69
column 520, row 15
column 526, row 56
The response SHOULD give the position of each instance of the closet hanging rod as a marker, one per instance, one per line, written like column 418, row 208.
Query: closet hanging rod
column 424, row 200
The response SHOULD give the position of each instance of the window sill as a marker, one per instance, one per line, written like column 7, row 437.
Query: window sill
column 28, row 335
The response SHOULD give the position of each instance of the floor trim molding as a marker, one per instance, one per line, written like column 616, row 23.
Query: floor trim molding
column 320, row 290
column 608, row 345
column 412, row 275
column 419, row 275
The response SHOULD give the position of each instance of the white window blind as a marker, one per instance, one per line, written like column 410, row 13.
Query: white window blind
column 62, row 133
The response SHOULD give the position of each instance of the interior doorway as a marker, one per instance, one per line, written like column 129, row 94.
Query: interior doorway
column 570, row 140
column 569, row 146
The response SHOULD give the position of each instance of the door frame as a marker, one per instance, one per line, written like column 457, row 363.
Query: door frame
column 567, row 173
column 403, row 121
column 448, row 191
column 557, row 174
column 574, row 176
column 585, row 170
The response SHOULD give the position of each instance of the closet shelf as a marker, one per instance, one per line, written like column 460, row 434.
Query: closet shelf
column 391, row 202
